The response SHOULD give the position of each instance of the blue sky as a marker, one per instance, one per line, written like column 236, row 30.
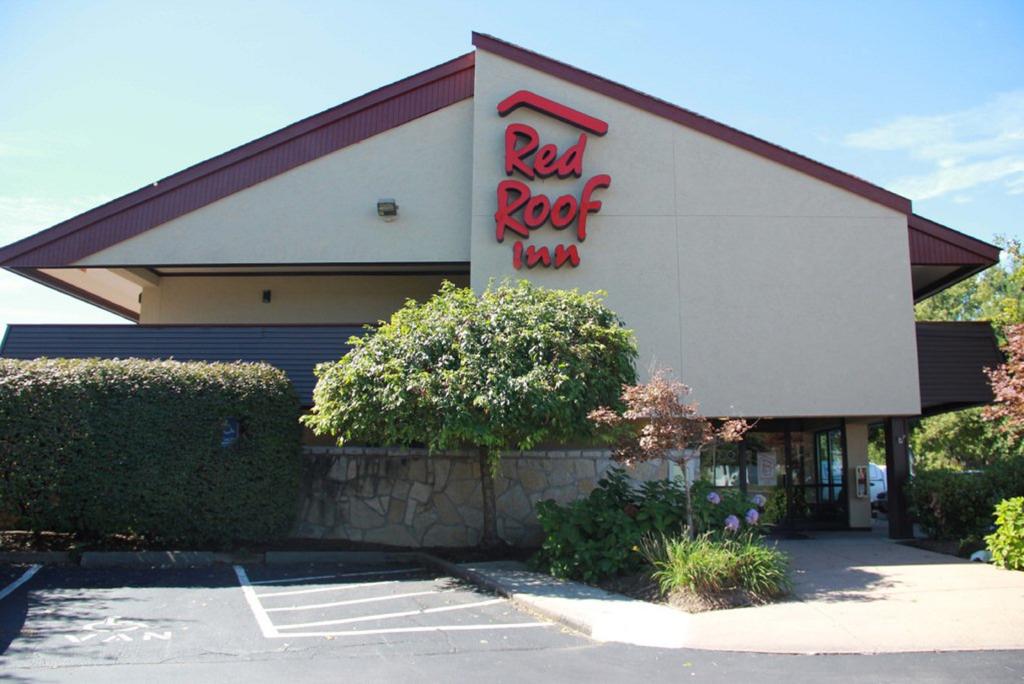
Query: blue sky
column 100, row 98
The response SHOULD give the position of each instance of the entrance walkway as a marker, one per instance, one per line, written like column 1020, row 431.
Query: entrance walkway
column 854, row 593
column 859, row 592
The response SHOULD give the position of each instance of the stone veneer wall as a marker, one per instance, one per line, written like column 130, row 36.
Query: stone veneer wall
column 404, row 497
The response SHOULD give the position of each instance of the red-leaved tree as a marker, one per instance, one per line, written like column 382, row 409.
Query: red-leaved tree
column 658, row 422
column 1007, row 382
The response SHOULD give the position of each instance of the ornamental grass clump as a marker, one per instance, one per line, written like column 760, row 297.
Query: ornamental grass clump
column 718, row 570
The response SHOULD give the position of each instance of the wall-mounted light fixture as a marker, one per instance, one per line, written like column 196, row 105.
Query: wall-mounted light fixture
column 266, row 296
column 387, row 208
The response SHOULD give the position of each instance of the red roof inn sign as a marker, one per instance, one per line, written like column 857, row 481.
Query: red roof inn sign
column 519, row 210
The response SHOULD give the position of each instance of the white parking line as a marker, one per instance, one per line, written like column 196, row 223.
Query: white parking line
column 272, row 631
column 352, row 602
column 387, row 616
column 292, row 579
column 262, row 619
column 369, row 573
column 402, row 630
column 25, row 577
column 320, row 590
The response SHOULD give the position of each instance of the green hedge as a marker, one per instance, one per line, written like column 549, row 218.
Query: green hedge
column 134, row 447
column 958, row 505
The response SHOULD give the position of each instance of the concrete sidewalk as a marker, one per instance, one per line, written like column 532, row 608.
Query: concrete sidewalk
column 854, row 593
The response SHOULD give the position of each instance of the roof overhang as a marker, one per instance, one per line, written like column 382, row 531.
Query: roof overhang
column 100, row 287
column 197, row 186
column 940, row 255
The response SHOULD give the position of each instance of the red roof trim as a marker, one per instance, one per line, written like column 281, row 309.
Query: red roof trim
column 968, row 250
column 692, row 120
column 244, row 166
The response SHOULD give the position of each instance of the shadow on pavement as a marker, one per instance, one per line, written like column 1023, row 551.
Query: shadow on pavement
column 59, row 600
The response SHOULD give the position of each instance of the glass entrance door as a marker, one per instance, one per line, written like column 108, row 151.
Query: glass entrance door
column 817, row 495
column 828, row 454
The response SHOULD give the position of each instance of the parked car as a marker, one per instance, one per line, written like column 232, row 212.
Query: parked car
column 877, row 486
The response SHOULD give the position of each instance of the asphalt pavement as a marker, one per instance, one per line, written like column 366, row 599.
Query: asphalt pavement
column 339, row 622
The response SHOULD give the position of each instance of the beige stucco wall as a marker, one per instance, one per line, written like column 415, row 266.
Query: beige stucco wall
column 768, row 291
column 325, row 211
column 294, row 299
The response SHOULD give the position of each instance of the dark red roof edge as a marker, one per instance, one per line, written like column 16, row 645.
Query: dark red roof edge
column 76, row 292
column 954, row 237
column 231, row 157
column 692, row 120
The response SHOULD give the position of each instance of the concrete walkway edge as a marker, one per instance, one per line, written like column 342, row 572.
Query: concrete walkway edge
column 596, row 613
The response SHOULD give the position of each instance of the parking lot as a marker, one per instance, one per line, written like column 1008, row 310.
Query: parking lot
column 330, row 622
column 316, row 602
column 75, row 616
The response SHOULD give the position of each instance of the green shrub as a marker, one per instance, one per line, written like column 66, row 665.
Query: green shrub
column 775, row 508
column 1007, row 542
column 712, row 506
column 950, row 504
column 599, row 536
column 134, row 447
column 956, row 504
column 715, row 564
column 1006, row 478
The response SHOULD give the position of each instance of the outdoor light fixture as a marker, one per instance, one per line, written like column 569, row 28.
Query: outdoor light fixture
column 387, row 208
column 266, row 296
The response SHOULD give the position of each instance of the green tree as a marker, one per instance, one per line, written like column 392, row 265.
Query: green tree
column 876, row 444
column 962, row 438
column 996, row 294
column 517, row 367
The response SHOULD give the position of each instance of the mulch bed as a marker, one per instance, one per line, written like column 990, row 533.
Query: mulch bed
column 643, row 587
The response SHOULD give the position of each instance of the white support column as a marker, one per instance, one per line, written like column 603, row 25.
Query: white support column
column 857, row 455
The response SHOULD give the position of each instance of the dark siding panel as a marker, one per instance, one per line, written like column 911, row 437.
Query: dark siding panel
column 295, row 350
column 951, row 360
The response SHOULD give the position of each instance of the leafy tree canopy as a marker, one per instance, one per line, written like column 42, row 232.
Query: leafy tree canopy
column 996, row 294
column 515, row 367
column 962, row 438
column 1008, row 385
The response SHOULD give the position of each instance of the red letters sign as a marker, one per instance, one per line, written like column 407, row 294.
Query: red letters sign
column 519, row 210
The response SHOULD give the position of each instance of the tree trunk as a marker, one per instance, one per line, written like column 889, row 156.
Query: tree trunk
column 690, row 530
column 490, row 538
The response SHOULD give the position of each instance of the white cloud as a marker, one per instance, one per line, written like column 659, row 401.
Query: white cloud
column 968, row 148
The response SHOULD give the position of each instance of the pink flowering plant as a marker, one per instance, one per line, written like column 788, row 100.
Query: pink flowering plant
column 725, row 510
column 658, row 422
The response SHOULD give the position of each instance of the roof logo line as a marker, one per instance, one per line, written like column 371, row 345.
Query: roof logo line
column 531, row 100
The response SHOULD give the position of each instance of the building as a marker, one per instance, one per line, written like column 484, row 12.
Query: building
column 778, row 287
